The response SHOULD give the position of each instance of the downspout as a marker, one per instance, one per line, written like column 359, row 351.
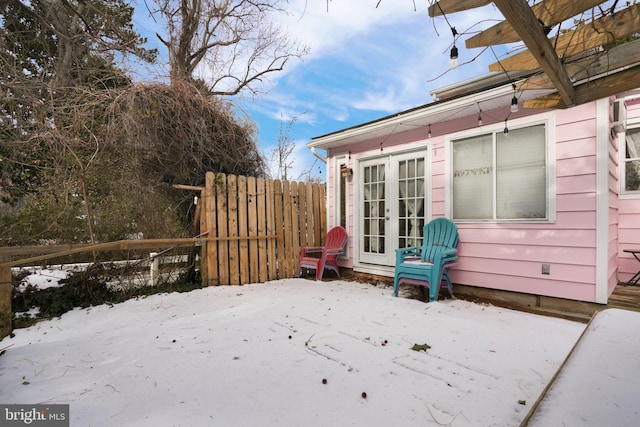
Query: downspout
column 318, row 155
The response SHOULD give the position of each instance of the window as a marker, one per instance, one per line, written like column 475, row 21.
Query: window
column 501, row 177
column 632, row 160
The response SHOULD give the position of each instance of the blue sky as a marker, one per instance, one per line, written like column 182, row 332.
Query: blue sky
column 365, row 62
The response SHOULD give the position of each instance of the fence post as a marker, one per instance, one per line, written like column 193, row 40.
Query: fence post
column 5, row 298
column 209, row 260
column 154, row 268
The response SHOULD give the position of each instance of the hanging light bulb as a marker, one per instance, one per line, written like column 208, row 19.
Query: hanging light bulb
column 506, row 129
column 514, row 100
column 453, row 58
column 429, row 131
column 514, row 104
column 480, row 118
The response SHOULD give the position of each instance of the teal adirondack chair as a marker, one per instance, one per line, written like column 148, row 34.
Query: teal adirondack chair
column 427, row 264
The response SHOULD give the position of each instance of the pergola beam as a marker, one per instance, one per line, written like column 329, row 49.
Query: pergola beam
column 592, row 67
column 592, row 91
column 548, row 13
column 593, row 35
column 530, row 31
column 452, row 6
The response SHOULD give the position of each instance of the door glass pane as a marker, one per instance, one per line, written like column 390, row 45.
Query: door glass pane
column 411, row 194
column 374, row 209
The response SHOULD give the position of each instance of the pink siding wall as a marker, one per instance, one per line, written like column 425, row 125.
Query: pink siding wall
column 509, row 256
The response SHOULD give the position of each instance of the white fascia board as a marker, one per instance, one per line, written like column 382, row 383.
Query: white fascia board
column 385, row 125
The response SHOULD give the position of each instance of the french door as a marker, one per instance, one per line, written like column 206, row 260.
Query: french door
column 393, row 205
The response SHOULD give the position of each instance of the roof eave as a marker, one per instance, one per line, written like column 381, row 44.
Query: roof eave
column 419, row 116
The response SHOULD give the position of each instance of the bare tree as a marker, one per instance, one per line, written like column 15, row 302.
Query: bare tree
column 230, row 44
column 283, row 162
column 281, row 154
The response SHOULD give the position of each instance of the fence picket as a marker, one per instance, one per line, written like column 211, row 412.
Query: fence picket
column 223, row 245
column 287, row 213
column 272, row 271
column 232, row 213
column 261, row 192
column 310, row 214
column 253, row 230
column 243, row 230
column 302, row 219
column 210, row 258
column 280, row 227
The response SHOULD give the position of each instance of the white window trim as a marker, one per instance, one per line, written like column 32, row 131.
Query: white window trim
column 340, row 160
column 548, row 120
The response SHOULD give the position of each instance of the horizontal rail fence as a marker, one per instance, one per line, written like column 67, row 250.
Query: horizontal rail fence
column 32, row 255
column 252, row 230
column 259, row 225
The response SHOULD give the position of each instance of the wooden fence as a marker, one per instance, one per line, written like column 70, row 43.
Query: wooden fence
column 259, row 226
column 251, row 231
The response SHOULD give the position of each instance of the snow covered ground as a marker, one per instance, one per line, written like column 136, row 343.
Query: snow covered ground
column 287, row 353
column 600, row 383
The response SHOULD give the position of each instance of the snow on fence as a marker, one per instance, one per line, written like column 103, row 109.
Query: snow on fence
column 250, row 231
column 148, row 271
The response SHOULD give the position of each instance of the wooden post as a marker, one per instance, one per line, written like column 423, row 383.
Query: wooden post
column 209, row 262
column 5, row 298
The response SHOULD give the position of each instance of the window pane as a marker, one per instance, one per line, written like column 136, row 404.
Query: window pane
column 473, row 178
column 632, row 160
column 521, row 185
column 632, row 175
column 343, row 201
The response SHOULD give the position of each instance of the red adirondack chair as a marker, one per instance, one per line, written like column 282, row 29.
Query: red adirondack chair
column 324, row 257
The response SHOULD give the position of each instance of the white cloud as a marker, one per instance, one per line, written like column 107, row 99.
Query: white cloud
column 365, row 58
column 325, row 26
column 365, row 63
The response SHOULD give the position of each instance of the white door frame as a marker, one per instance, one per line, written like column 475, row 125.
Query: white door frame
column 390, row 160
